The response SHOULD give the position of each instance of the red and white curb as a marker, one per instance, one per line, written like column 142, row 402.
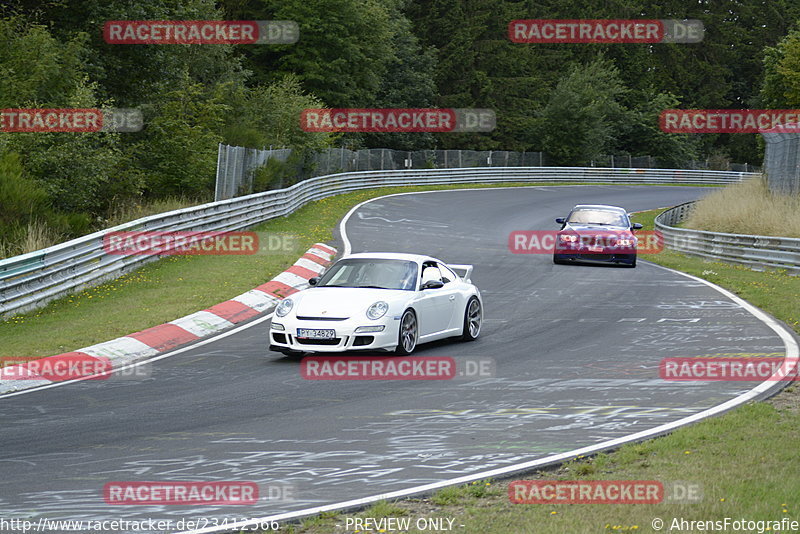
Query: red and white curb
column 158, row 339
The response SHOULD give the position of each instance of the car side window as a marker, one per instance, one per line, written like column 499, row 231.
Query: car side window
column 447, row 275
column 430, row 272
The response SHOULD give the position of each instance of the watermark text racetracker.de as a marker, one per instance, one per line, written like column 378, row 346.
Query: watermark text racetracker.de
column 729, row 120
column 545, row 241
column 605, row 31
column 69, row 366
column 191, row 243
column 76, row 120
column 604, row 492
column 201, row 32
column 187, row 493
column 398, row 120
column 728, row 369
column 396, row 368
column 180, row 493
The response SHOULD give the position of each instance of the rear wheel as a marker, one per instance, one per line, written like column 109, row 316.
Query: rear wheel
column 409, row 333
column 473, row 319
column 558, row 262
column 632, row 264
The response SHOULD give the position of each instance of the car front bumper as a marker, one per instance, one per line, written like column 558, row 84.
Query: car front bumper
column 579, row 251
column 346, row 335
column 596, row 257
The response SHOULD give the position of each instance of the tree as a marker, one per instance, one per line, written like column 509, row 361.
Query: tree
column 581, row 118
column 270, row 115
column 36, row 70
column 178, row 151
column 342, row 54
column 781, row 87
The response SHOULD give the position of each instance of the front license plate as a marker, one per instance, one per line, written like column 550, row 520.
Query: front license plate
column 595, row 249
column 313, row 333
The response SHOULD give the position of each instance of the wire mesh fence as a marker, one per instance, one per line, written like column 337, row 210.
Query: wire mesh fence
column 242, row 171
column 782, row 161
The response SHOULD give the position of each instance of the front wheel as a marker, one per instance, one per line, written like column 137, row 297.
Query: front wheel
column 473, row 319
column 409, row 333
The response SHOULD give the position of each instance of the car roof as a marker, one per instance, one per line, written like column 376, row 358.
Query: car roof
column 418, row 258
column 598, row 207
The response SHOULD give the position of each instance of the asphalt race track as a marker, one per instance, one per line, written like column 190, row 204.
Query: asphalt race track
column 575, row 351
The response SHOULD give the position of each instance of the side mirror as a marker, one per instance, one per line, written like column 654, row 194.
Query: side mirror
column 432, row 284
column 637, row 226
column 314, row 280
column 561, row 220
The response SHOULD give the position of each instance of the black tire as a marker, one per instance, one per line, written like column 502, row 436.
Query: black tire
column 632, row 264
column 473, row 320
column 558, row 262
column 408, row 333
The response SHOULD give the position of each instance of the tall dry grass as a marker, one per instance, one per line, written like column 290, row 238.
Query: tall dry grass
column 747, row 208
column 36, row 236
column 131, row 211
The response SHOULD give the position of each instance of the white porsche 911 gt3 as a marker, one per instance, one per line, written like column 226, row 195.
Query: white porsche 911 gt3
column 379, row 301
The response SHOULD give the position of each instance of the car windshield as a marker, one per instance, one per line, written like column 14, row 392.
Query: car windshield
column 602, row 217
column 373, row 273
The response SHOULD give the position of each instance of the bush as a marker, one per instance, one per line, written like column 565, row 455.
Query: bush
column 27, row 220
column 277, row 174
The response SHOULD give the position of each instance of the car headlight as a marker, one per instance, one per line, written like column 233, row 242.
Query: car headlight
column 625, row 242
column 377, row 310
column 568, row 238
column 284, row 308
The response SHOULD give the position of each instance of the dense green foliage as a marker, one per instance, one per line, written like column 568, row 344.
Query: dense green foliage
column 572, row 101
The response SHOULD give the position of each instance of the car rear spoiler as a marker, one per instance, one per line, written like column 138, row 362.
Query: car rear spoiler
column 467, row 271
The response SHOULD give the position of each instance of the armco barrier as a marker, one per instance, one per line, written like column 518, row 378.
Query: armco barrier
column 31, row 280
column 756, row 251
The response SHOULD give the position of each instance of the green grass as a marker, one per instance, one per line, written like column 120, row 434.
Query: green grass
column 745, row 462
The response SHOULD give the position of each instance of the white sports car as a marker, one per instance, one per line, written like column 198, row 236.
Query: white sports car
column 379, row 301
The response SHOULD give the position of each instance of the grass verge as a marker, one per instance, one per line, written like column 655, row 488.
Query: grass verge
column 744, row 462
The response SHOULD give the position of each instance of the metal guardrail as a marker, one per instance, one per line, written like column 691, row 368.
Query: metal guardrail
column 32, row 280
column 755, row 251
column 237, row 166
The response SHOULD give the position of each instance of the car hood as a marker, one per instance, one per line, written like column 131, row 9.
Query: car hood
column 341, row 302
column 597, row 228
